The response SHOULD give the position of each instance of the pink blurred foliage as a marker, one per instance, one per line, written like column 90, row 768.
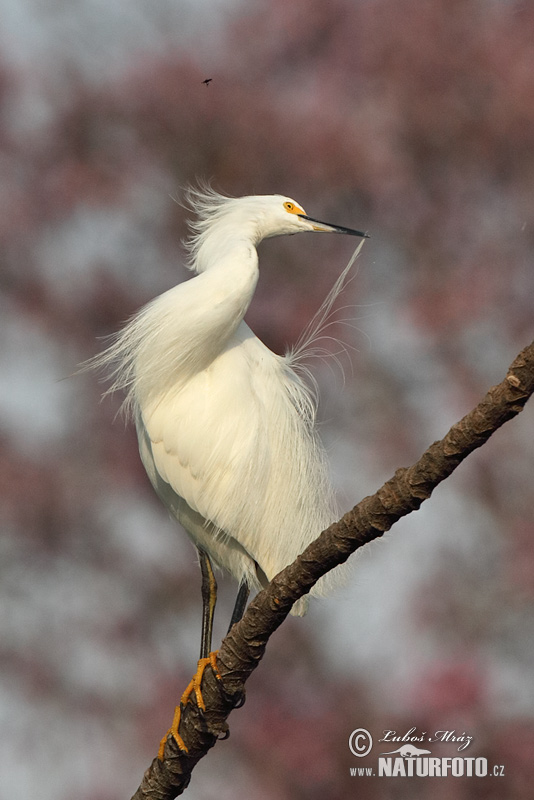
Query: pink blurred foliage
column 412, row 120
column 453, row 686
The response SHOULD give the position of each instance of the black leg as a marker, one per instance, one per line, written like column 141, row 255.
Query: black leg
column 240, row 605
column 209, row 598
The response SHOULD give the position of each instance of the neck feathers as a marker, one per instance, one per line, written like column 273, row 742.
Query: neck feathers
column 181, row 332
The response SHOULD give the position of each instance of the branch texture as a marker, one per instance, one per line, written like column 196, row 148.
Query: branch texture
column 243, row 648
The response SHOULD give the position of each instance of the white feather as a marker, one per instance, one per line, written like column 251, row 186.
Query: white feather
column 226, row 427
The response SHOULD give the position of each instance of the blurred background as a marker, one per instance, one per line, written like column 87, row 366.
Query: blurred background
column 412, row 120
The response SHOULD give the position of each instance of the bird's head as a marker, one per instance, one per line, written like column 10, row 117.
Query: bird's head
column 278, row 215
column 223, row 221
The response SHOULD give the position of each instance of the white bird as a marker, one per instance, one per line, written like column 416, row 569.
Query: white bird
column 226, row 427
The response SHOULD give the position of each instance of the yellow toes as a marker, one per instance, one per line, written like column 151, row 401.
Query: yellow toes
column 173, row 731
column 193, row 687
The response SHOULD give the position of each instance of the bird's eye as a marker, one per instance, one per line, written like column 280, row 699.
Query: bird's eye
column 289, row 206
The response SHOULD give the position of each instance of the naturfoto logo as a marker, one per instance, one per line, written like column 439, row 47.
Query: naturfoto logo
column 412, row 760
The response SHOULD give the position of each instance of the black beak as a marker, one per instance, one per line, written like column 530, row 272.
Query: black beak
column 328, row 228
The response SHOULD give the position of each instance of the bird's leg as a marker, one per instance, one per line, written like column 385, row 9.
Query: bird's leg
column 240, row 605
column 209, row 598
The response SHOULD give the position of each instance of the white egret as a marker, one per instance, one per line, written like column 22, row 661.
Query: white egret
column 226, row 427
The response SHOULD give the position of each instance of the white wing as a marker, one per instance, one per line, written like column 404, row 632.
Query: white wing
column 234, row 443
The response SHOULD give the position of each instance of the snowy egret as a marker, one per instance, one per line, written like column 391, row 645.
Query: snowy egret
column 226, row 427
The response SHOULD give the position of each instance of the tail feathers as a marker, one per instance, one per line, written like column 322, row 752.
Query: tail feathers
column 301, row 606
column 327, row 584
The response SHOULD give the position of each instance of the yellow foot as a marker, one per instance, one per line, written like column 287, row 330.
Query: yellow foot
column 173, row 731
column 194, row 686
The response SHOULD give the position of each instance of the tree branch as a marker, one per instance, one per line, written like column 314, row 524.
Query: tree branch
column 243, row 648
